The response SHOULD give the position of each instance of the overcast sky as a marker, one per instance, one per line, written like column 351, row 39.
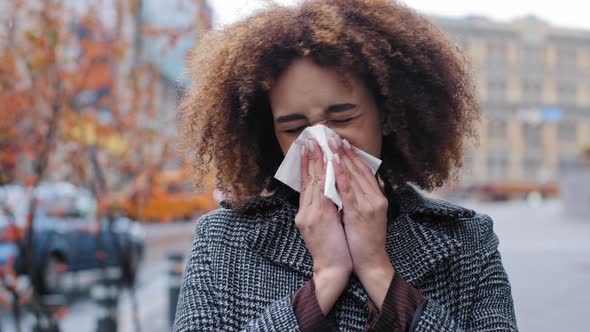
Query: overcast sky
column 566, row 13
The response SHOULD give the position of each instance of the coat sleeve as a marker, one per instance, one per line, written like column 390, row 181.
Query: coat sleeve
column 198, row 309
column 493, row 309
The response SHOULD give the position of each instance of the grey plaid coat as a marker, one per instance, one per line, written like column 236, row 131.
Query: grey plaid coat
column 244, row 267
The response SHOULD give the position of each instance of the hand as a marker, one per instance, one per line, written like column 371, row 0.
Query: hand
column 364, row 214
column 319, row 223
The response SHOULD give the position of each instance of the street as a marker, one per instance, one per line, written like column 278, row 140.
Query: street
column 547, row 258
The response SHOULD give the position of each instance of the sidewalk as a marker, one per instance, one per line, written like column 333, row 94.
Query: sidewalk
column 547, row 257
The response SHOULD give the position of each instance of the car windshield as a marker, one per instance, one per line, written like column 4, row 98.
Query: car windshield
column 58, row 200
column 13, row 208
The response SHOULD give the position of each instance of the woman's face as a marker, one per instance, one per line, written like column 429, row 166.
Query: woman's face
column 307, row 94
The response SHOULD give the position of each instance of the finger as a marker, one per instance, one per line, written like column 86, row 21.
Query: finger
column 343, row 182
column 304, row 197
column 361, row 171
column 358, row 182
column 345, row 165
column 315, row 169
column 336, row 145
column 357, row 188
column 320, row 171
column 349, row 168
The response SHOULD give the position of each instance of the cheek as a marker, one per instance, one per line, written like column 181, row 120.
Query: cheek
column 365, row 137
column 369, row 143
column 284, row 141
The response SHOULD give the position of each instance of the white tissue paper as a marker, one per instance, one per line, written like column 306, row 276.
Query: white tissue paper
column 289, row 171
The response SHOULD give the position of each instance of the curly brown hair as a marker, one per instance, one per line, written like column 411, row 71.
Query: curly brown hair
column 418, row 77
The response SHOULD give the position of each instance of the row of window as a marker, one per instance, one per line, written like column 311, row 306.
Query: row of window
column 497, row 53
column 532, row 134
column 532, row 91
column 498, row 165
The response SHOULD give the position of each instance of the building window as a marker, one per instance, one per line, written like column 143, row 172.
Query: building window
column 532, row 91
column 497, row 52
column 533, row 159
column 498, row 164
column 497, row 128
column 533, row 135
column 497, row 66
column 497, row 89
column 566, row 92
column 532, row 64
column 566, row 60
column 567, row 131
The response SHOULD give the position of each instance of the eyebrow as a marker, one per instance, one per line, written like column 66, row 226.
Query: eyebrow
column 331, row 109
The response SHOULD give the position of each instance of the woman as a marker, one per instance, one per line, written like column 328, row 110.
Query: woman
column 386, row 81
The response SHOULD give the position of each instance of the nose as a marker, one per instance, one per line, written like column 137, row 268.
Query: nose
column 317, row 122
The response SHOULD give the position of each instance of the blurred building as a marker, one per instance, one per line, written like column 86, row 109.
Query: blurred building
column 171, row 64
column 533, row 82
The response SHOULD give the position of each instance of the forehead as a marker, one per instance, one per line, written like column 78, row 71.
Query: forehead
column 305, row 84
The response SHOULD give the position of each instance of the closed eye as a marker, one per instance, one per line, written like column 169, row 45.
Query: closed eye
column 294, row 130
column 342, row 121
column 298, row 129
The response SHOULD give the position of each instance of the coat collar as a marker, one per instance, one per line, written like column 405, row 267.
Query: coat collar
column 416, row 243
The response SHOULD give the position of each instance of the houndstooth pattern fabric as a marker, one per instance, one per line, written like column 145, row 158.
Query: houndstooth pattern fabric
column 245, row 265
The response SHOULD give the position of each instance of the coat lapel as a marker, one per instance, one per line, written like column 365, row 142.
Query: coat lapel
column 416, row 244
column 278, row 239
column 415, row 249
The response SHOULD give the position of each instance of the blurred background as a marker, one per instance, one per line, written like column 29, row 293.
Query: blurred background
column 96, row 206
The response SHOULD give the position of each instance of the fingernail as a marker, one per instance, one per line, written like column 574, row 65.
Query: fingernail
column 346, row 144
column 310, row 145
column 333, row 143
column 303, row 150
column 336, row 158
column 325, row 159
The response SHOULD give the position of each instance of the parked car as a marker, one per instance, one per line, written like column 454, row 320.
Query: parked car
column 67, row 236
